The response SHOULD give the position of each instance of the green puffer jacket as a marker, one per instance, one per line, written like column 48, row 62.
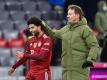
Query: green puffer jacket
column 78, row 45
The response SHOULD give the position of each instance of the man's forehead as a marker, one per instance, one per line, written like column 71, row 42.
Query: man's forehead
column 71, row 10
column 31, row 25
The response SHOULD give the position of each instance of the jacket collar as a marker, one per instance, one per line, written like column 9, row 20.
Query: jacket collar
column 83, row 21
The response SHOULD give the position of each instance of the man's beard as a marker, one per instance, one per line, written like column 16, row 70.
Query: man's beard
column 36, row 33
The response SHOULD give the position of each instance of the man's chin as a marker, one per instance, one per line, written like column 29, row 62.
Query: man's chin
column 33, row 34
column 69, row 21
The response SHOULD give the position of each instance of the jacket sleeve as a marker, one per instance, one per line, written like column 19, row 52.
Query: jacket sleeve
column 50, row 32
column 98, row 23
column 91, row 43
column 43, row 53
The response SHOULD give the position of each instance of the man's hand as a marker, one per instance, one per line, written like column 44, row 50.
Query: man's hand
column 10, row 72
column 105, row 34
column 43, row 23
column 19, row 55
column 87, row 64
column 54, row 30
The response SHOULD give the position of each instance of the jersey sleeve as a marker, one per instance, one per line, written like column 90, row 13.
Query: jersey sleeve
column 23, row 59
column 20, row 62
column 44, row 51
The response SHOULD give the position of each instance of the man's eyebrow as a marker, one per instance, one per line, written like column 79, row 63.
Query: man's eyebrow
column 30, row 27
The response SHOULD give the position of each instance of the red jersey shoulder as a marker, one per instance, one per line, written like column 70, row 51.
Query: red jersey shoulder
column 46, row 37
column 31, row 39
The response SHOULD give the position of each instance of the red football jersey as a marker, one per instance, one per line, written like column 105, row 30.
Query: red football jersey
column 39, row 51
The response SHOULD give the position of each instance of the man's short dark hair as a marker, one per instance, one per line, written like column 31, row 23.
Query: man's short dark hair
column 36, row 21
column 77, row 9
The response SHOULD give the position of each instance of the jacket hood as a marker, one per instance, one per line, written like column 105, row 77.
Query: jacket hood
column 83, row 21
column 100, row 5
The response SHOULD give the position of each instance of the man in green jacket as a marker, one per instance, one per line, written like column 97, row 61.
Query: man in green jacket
column 79, row 45
column 101, row 21
column 101, row 25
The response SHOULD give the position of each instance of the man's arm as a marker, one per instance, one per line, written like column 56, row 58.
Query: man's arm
column 12, row 69
column 22, row 59
column 98, row 23
column 92, row 44
column 53, row 33
column 44, row 52
column 18, row 63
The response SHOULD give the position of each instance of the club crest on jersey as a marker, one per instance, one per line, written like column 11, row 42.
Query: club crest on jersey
column 35, row 45
column 30, row 44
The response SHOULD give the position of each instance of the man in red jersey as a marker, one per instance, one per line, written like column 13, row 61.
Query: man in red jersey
column 38, row 50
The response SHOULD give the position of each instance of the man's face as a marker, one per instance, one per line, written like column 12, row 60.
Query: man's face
column 33, row 29
column 72, row 16
column 104, row 7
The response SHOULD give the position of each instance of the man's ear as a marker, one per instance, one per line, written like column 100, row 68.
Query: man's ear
column 77, row 16
column 39, row 27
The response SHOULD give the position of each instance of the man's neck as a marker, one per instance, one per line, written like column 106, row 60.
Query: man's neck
column 77, row 20
column 40, row 34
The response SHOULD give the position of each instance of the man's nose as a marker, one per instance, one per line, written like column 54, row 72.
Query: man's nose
column 30, row 30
